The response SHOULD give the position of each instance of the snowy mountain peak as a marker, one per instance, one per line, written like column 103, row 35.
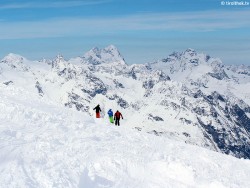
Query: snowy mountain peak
column 13, row 58
column 189, row 55
column 190, row 65
column 16, row 61
column 190, row 52
column 59, row 58
column 111, row 49
column 94, row 50
column 59, row 62
column 109, row 54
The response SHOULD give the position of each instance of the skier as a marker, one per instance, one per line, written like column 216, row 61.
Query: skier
column 117, row 117
column 110, row 113
column 97, row 110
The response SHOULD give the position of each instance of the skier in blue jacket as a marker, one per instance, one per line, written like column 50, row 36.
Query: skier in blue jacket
column 110, row 113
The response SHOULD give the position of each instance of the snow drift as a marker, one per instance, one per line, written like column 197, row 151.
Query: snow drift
column 44, row 144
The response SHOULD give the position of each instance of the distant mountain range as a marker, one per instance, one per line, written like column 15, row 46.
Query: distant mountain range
column 187, row 96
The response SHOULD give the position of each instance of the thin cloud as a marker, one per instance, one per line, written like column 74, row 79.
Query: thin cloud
column 49, row 4
column 187, row 22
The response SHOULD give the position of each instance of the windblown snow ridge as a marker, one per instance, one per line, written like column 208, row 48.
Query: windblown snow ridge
column 44, row 144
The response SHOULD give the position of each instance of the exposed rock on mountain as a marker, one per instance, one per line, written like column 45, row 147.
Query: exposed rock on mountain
column 187, row 96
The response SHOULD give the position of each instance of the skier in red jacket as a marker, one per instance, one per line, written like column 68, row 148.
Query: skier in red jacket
column 117, row 117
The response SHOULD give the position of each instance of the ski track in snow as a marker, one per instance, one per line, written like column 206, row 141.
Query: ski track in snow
column 46, row 145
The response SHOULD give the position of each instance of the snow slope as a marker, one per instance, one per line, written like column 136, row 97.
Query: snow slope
column 43, row 144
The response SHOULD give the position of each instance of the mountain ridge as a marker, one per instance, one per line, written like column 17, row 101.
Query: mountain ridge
column 187, row 96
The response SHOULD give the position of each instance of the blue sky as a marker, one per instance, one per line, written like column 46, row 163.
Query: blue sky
column 143, row 31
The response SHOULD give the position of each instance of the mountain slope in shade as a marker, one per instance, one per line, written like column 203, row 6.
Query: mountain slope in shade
column 188, row 96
